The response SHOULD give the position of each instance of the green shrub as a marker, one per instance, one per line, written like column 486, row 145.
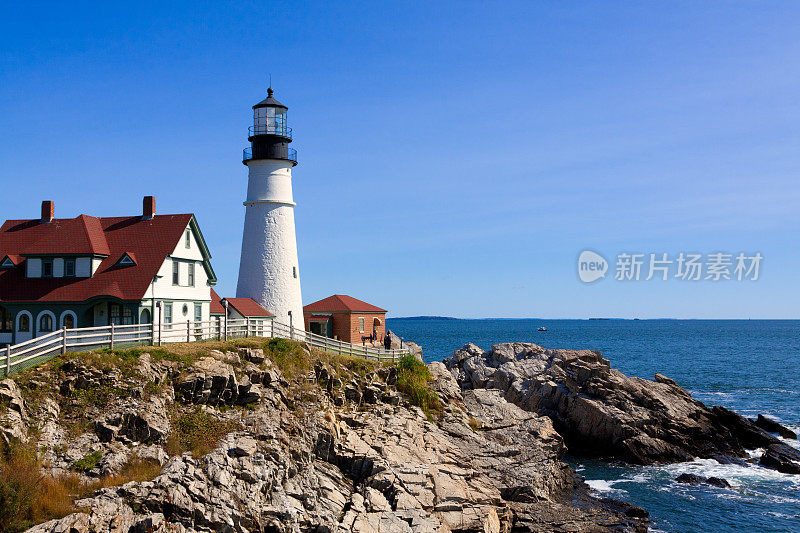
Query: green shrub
column 87, row 462
column 413, row 378
column 197, row 432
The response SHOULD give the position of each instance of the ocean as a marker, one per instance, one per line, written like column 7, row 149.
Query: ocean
column 750, row 366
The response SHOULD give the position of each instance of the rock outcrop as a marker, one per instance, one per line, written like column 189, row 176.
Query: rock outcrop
column 601, row 412
column 694, row 479
column 13, row 415
column 331, row 450
column 772, row 426
column 782, row 458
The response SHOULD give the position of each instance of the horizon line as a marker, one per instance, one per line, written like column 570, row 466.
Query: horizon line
column 443, row 317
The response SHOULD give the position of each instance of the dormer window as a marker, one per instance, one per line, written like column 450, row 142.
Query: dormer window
column 188, row 239
column 47, row 268
column 69, row 267
column 126, row 260
column 6, row 263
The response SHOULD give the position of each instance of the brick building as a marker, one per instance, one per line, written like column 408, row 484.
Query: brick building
column 345, row 318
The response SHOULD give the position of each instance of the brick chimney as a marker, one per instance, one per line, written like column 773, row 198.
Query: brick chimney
column 48, row 211
column 148, row 207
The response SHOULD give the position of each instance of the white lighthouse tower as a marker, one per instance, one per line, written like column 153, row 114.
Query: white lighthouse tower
column 268, row 269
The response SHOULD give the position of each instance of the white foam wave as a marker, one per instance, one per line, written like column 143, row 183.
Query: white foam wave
column 739, row 476
column 604, row 486
column 754, row 453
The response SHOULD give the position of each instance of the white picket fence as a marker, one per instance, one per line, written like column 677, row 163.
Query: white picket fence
column 38, row 350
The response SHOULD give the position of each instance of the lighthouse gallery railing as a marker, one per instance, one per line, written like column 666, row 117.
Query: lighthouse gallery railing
column 25, row 355
column 247, row 154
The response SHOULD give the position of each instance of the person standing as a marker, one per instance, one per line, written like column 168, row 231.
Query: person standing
column 387, row 341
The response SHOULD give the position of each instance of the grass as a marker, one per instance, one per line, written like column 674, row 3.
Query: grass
column 29, row 497
column 124, row 361
column 289, row 357
column 136, row 469
column 99, row 395
column 413, row 378
column 198, row 432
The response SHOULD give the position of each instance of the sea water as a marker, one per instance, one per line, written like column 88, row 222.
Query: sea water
column 750, row 366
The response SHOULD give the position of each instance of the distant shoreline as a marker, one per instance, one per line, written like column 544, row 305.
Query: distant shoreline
column 451, row 318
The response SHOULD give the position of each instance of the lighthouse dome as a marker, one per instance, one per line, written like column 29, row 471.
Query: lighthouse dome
column 270, row 101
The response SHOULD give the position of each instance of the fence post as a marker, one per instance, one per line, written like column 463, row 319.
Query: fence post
column 112, row 335
column 272, row 328
column 226, row 324
column 152, row 331
column 188, row 332
column 8, row 359
column 246, row 326
column 63, row 340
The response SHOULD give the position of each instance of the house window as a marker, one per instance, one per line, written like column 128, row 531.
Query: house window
column 69, row 268
column 6, row 320
column 198, row 312
column 188, row 239
column 125, row 260
column 45, row 324
column 127, row 316
column 361, row 324
column 175, row 272
column 114, row 314
column 68, row 321
column 168, row 315
column 294, row 272
column 47, row 268
column 191, row 274
column 24, row 323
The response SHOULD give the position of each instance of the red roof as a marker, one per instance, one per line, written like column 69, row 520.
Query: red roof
column 216, row 304
column 149, row 241
column 80, row 235
column 248, row 307
column 341, row 303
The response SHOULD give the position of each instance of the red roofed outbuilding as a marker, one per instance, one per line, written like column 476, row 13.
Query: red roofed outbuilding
column 345, row 318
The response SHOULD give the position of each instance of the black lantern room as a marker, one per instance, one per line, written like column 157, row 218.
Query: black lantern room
column 269, row 135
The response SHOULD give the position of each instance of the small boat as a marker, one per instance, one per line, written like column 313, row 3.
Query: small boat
column 542, row 328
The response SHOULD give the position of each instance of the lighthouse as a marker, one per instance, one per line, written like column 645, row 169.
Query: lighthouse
column 268, row 269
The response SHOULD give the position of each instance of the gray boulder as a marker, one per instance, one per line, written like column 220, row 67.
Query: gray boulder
column 602, row 412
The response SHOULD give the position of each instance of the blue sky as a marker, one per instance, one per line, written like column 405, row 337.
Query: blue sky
column 455, row 157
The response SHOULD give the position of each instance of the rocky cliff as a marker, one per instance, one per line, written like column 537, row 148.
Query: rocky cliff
column 276, row 438
column 601, row 412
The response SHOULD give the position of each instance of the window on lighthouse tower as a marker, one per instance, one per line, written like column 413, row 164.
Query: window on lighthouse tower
column 269, row 120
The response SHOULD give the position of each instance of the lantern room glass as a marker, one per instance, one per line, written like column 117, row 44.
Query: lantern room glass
column 269, row 120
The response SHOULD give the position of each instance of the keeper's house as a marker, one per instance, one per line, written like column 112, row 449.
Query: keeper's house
column 345, row 318
column 89, row 271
